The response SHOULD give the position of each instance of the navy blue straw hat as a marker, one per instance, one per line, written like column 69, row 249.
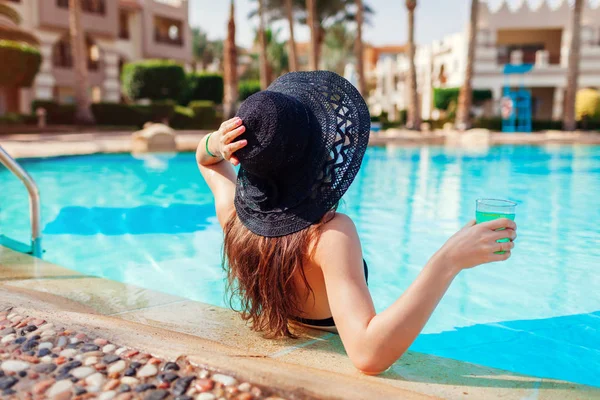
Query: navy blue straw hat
column 307, row 135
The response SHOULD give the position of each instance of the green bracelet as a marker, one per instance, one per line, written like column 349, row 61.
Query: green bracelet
column 207, row 150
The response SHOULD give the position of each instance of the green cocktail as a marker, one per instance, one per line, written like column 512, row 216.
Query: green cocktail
column 491, row 209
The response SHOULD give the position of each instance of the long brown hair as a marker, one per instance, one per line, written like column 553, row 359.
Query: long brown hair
column 261, row 274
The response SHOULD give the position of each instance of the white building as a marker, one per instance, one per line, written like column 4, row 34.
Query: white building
column 530, row 35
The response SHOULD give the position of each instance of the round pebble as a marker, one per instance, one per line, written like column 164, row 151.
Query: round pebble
column 110, row 358
column 6, row 382
column 45, row 345
column 244, row 387
column 147, row 371
column 14, row 366
column 121, row 351
column 42, row 386
column 109, row 348
column 129, row 380
column 206, row 396
column 79, row 390
column 112, row 384
column 124, row 388
column 157, row 395
column 88, row 347
column 90, row 360
column 171, row 366
column 61, row 342
column 124, row 396
column 226, row 380
column 96, row 379
column 46, row 359
column 100, row 342
column 204, row 385
column 82, row 372
column 8, row 338
column 68, row 353
column 48, row 333
column 43, row 352
column 44, row 368
column 107, row 395
column 117, row 367
column 46, row 327
column 59, row 387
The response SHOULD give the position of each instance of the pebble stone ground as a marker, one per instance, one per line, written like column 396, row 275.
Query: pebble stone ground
column 40, row 360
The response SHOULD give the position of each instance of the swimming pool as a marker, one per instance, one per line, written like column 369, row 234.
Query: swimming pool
column 150, row 221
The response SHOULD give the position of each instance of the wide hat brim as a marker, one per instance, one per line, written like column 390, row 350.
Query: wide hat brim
column 341, row 124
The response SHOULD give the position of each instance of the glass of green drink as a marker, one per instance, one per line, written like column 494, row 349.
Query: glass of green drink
column 490, row 209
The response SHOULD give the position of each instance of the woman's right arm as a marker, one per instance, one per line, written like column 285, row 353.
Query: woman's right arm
column 375, row 341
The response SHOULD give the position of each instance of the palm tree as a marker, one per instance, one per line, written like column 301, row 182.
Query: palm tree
column 360, row 65
column 413, row 119
column 569, row 123
column 338, row 47
column 315, row 31
column 465, row 98
column 230, row 74
column 78, row 49
column 289, row 11
column 264, row 66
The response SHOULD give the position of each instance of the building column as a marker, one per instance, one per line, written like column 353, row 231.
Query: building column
column 497, row 93
column 557, row 107
column 111, row 86
column 43, row 88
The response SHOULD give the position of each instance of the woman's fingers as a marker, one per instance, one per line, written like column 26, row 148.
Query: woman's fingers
column 500, row 257
column 228, row 137
column 234, row 160
column 230, row 124
column 233, row 147
column 499, row 224
column 503, row 234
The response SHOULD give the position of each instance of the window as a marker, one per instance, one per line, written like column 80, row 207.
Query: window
column 89, row 6
column 168, row 31
column 123, row 24
column 63, row 58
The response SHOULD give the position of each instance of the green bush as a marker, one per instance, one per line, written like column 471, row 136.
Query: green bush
column 442, row 97
column 183, row 118
column 20, row 64
column 11, row 119
column 202, row 87
column 205, row 114
column 120, row 114
column 248, row 88
column 132, row 114
column 153, row 79
column 56, row 114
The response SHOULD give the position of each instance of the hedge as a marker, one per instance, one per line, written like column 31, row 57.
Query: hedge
column 132, row 114
column 17, row 119
column 442, row 97
column 202, row 87
column 183, row 118
column 59, row 114
column 20, row 64
column 153, row 79
column 248, row 88
column 205, row 114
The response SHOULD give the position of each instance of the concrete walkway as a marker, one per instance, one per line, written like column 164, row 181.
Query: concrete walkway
column 315, row 364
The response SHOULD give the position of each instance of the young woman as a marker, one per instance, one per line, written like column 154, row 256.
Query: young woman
column 290, row 257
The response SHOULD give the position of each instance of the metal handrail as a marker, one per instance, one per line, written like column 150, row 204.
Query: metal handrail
column 34, row 200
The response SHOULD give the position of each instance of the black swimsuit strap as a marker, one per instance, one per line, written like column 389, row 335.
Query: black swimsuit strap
column 328, row 322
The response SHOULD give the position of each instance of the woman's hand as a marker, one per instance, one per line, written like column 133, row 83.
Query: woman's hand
column 220, row 142
column 476, row 244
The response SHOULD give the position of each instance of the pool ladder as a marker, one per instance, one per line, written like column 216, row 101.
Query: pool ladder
column 35, row 247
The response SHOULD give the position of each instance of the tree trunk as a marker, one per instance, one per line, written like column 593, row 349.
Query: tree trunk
column 311, row 11
column 360, row 60
column 569, row 123
column 230, row 68
column 83, row 113
column 465, row 98
column 264, row 64
column 413, row 119
column 292, row 42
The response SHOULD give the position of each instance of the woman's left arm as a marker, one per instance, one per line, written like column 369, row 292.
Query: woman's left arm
column 220, row 176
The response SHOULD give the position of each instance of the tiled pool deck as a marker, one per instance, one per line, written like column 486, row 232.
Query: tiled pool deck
column 313, row 365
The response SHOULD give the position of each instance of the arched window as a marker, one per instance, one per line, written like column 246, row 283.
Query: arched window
column 63, row 58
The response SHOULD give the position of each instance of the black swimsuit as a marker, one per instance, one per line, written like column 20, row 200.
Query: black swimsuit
column 327, row 322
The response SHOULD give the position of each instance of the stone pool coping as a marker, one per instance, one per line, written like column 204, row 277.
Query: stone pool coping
column 60, row 144
column 313, row 365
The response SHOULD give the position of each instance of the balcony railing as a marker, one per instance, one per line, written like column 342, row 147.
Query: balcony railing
column 166, row 39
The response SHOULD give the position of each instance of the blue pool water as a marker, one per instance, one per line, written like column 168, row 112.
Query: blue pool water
column 150, row 221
